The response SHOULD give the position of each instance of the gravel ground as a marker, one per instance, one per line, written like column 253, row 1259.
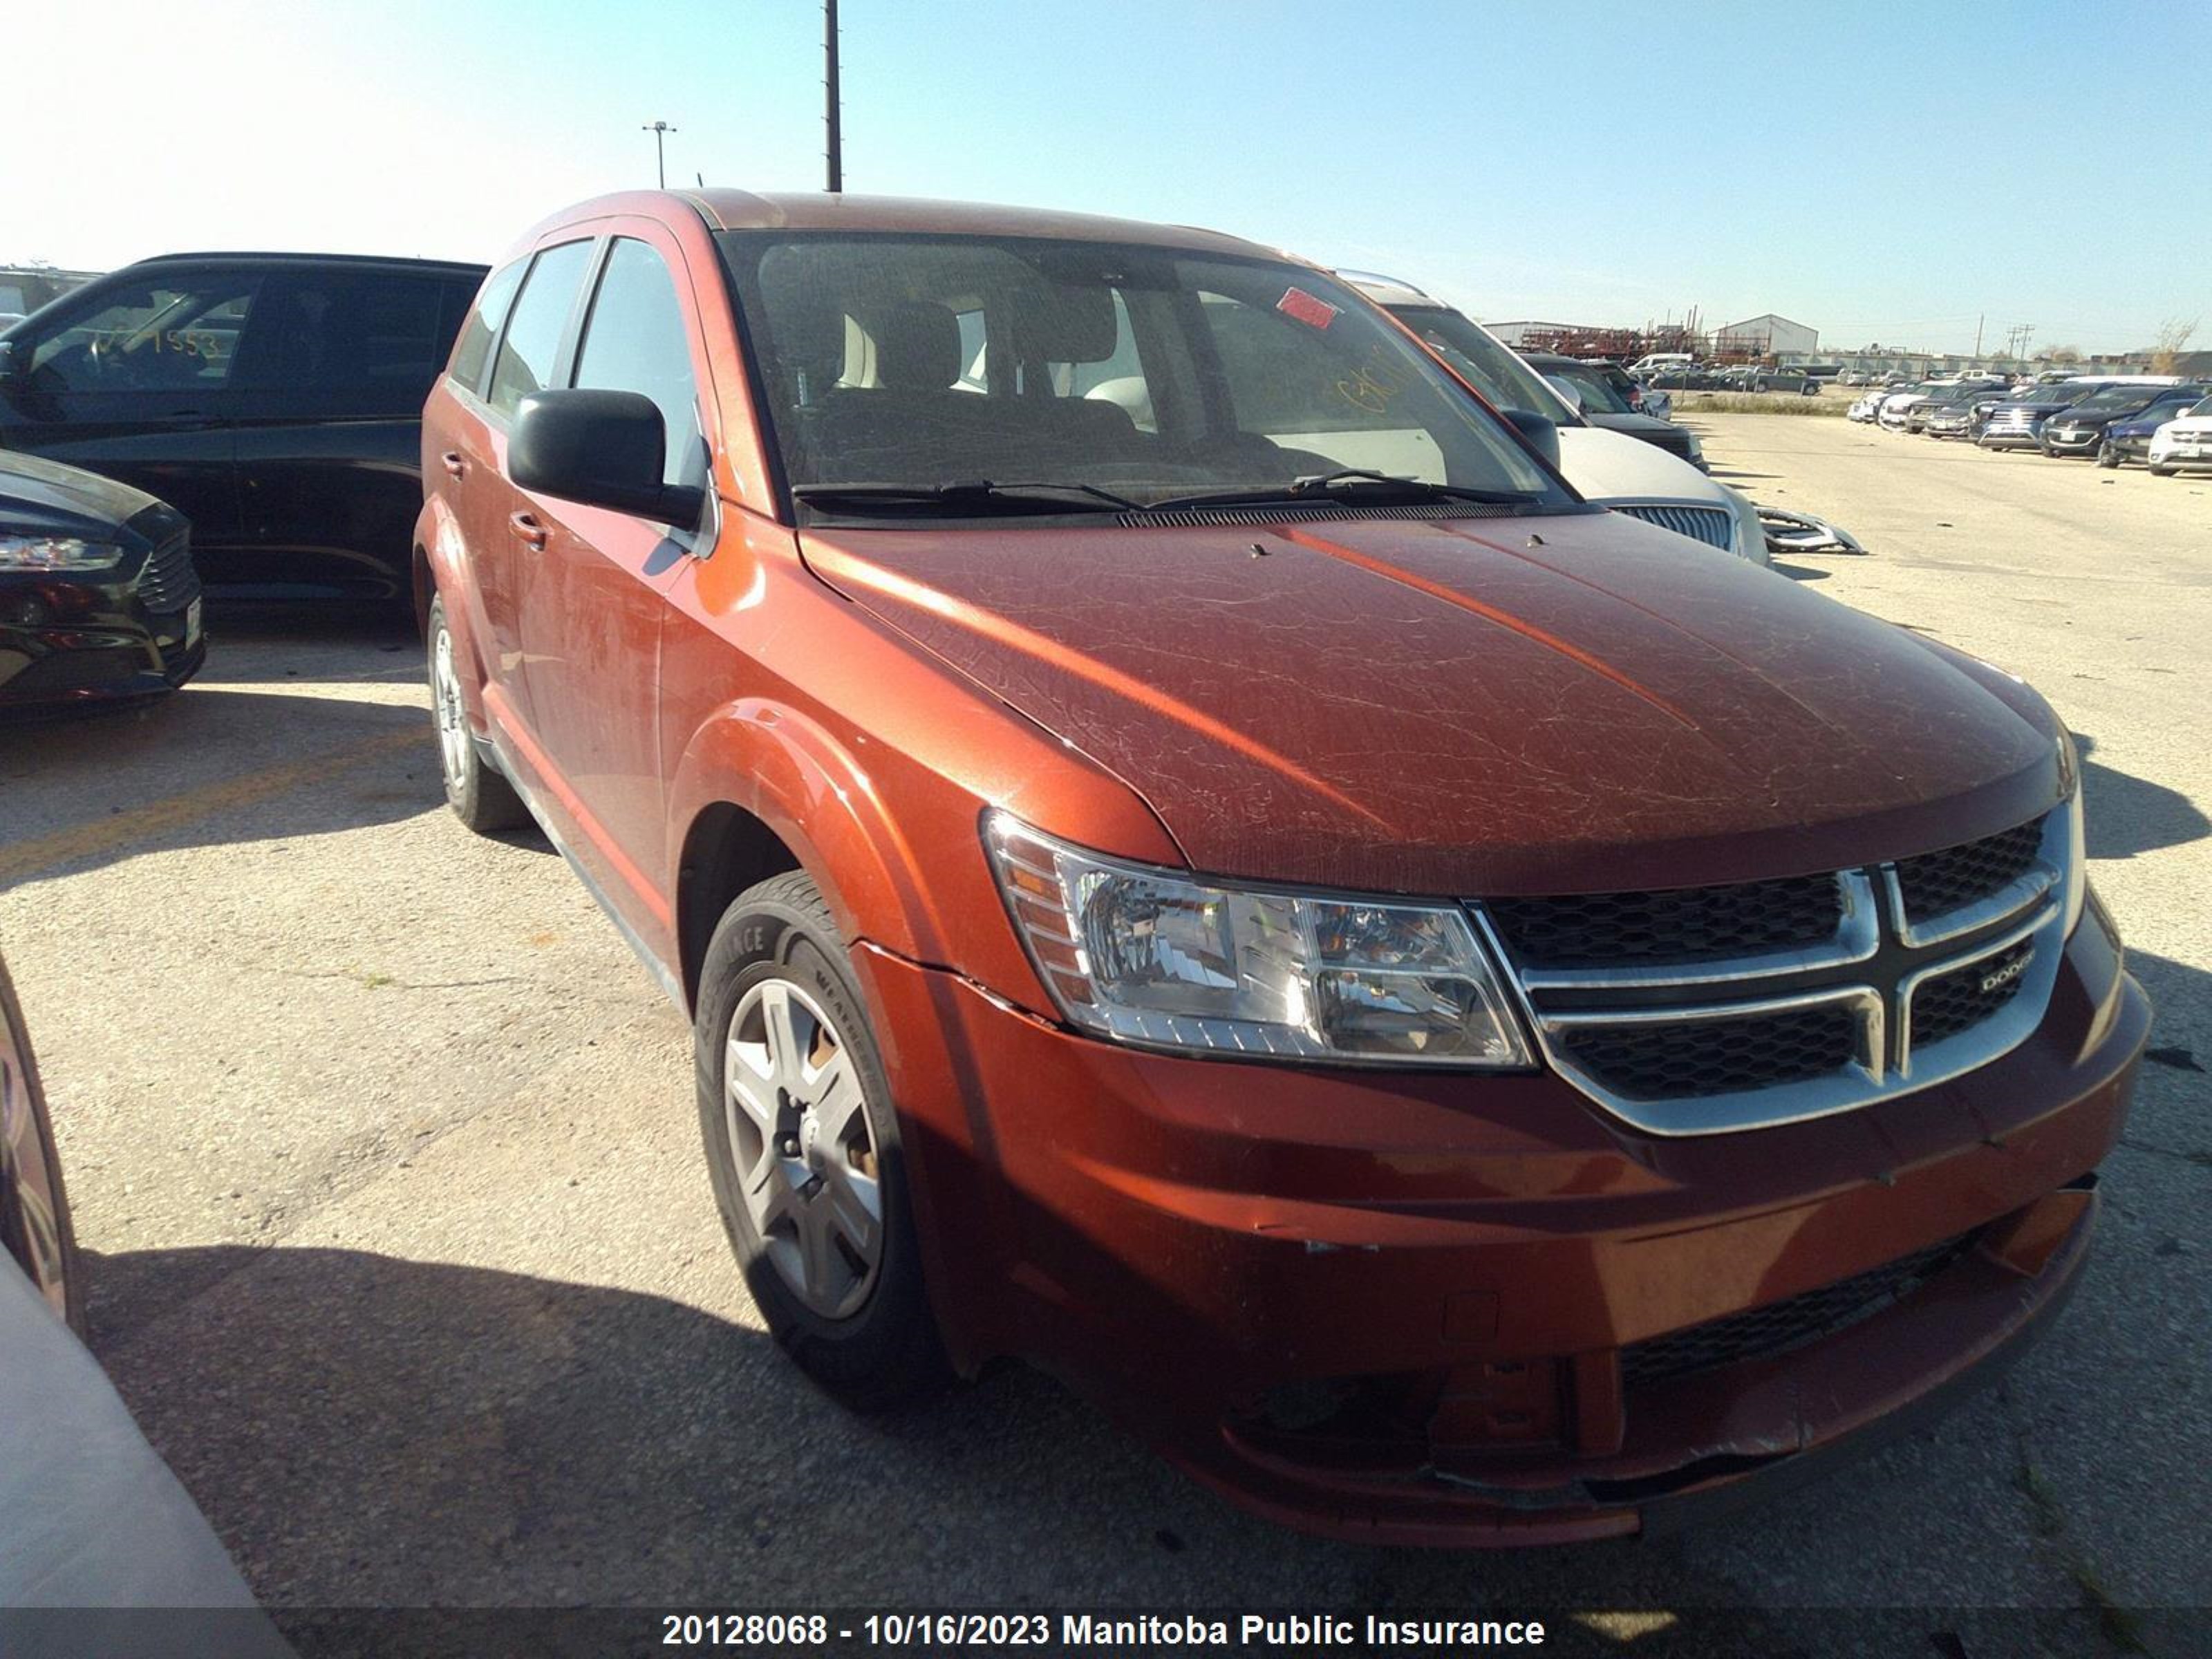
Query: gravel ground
column 383, row 1159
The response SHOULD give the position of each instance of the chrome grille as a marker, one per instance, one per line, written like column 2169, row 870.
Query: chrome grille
column 1679, row 924
column 169, row 582
column 1713, row 525
column 1700, row 1010
column 1936, row 883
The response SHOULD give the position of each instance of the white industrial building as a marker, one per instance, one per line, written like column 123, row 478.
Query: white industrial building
column 1767, row 337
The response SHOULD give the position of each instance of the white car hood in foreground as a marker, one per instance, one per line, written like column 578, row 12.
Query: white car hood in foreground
column 92, row 1523
column 1608, row 467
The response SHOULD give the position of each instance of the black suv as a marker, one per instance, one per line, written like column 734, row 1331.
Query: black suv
column 275, row 399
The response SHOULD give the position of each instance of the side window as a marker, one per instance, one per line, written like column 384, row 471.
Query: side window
column 483, row 325
column 366, row 342
column 525, row 364
column 637, row 340
column 178, row 334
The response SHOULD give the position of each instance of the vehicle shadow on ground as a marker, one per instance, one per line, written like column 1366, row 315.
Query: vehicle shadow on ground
column 208, row 767
column 2129, row 814
column 365, row 1431
column 1798, row 573
column 253, row 643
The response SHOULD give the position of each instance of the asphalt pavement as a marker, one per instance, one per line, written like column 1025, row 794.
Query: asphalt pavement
column 385, row 1162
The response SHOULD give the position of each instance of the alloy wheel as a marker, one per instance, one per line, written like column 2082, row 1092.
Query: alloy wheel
column 805, row 1155
column 451, row 712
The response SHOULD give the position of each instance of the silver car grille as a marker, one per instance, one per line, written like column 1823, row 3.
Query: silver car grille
column 1713, row 525
column 1699, row 1010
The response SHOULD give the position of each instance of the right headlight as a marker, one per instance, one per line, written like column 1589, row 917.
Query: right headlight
column 1162, row 959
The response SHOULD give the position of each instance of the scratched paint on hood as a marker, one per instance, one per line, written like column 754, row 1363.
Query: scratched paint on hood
column 1452, row 706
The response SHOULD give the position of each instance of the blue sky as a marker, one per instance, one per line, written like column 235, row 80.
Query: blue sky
column 1879, row 171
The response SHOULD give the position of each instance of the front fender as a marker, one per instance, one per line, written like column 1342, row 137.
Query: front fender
column 794, row 774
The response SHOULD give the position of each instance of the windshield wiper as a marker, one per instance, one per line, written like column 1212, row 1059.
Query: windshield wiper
column 972, row 494
column 1349, row 483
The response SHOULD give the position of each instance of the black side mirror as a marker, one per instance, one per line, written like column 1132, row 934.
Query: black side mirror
column 602, row 448
column 1540, row 430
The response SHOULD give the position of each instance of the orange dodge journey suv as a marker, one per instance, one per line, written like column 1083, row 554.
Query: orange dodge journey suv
column 1196, row 859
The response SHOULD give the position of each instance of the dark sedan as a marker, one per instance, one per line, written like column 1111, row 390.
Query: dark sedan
column 2128, row 439
column 2079, row 431
column 98, row 594
column 1601, row 391
column 2017, row 422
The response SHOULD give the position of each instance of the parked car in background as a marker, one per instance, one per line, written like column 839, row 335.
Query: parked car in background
column 2078, row 431
column 1001, row 871
column 97, row 597
column 2017, row 422
column 2128, row 438
column 2184, row 442
column 1613, row 469
column 1866, row 406
column 1600, row 394
column 1897, row 404
column 1956, row 399
column 275, row 400
column 1784, row 380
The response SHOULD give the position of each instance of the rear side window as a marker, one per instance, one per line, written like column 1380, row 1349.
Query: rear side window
column 166, row 334
column 483, row 325
column 636, row 341
column 525, row 364
column 366, row 341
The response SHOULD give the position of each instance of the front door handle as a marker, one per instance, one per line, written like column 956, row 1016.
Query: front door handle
column 526, row 526
column 454, row 463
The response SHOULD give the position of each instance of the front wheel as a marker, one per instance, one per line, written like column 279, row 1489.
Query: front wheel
column 2160, row 470
column 479, row 796
column 804, row 1151
column 2107, row 457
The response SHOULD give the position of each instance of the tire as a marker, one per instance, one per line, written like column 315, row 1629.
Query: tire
column 2107, row 457
column 479, row 796
column 792, row 1182
column 2160, row 470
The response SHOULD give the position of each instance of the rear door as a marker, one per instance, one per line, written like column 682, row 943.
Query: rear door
column 331, row 388
column 593, row 600
column 133, row 379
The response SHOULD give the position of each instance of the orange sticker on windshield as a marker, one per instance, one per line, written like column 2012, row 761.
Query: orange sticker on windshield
column 1313, row 313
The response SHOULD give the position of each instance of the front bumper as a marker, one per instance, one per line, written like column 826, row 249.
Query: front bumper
column 2069, row 441
column 67, row 643
column 1447, row 1270
column 2016, row 437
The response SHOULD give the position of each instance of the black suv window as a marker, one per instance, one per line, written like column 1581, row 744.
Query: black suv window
column 363, row 342
column 636, row 341
column 165, row 333
column 482, row 326
column 533, row 330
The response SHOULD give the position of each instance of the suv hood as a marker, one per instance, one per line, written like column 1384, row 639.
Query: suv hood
column 1467, row 706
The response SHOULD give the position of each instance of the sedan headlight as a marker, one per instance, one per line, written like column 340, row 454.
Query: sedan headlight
column 67, row 554
column 1162, row 959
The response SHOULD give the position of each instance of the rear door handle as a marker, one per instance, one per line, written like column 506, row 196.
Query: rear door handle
column 527, row 527
column 454, row 463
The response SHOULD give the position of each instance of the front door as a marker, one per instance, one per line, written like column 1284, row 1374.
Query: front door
column 593, row 604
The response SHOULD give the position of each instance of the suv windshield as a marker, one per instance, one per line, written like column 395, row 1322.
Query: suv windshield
column 1482, row 361
column 1110, row 373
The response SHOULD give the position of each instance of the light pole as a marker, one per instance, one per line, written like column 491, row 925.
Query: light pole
column 659, row 130
column 836, row 153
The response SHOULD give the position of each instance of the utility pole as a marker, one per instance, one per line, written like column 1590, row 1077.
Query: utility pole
column 836, row 151
column 659, row 130
column 1979, row 321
